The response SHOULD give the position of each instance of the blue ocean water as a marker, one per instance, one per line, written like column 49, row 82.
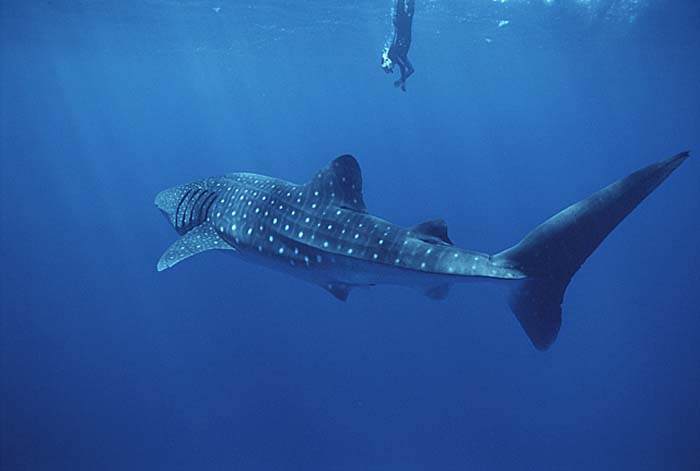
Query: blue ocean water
column 517, row 109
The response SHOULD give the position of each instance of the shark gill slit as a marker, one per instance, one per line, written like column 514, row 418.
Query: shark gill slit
column 186, row 211
column 187, row 216
column 178, row 224
column 208, row 202
column 194, row 208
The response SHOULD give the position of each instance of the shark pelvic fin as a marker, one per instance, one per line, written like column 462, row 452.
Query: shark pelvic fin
column 341, row 183
column 433, row 232
column 341, row 291
column 201, row 238
column 438, row 292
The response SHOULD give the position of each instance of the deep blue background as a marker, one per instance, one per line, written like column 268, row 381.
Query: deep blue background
column 106, row 364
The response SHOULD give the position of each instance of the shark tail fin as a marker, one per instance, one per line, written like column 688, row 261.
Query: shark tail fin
column 554, row 251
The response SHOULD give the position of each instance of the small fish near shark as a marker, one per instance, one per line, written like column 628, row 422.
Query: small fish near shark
column 322, row 232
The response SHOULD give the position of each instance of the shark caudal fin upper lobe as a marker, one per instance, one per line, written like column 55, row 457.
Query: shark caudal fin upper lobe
column 554, row 251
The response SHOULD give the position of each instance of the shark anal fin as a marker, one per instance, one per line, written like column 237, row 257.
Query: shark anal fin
column 201, row 238
column 340, row 291
column 438, row 292
column 341, row 184
column 434, row 232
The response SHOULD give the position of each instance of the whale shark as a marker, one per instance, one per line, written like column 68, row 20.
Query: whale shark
column 322, row 232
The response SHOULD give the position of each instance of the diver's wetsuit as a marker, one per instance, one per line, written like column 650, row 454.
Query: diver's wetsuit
column 401, row 42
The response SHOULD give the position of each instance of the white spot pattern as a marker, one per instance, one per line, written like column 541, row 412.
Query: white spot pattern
column 313, row 226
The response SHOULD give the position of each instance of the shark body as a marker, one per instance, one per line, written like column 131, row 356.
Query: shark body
column 321, row 231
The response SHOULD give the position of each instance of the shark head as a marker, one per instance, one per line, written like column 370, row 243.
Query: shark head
column 186, row 206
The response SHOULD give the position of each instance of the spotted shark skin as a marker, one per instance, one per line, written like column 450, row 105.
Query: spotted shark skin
column 321, row 231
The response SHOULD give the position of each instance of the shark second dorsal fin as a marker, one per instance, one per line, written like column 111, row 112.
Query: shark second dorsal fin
column 433, row 232
column 341, row 183
column 199, row 239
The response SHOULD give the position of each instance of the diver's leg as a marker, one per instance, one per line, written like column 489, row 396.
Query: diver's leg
column 409, row 68
column 401, row 82
column 410, row 8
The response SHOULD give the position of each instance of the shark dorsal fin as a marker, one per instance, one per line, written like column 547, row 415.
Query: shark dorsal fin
column 434, row 232
column 341, row 183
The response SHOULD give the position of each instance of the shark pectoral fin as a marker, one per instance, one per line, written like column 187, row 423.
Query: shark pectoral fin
column 341, row 291
column 341, row 182
column 199, row 239
column 438, row 292
column 433, row 232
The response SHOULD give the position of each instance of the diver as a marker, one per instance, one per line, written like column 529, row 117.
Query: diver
column 397, row 52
